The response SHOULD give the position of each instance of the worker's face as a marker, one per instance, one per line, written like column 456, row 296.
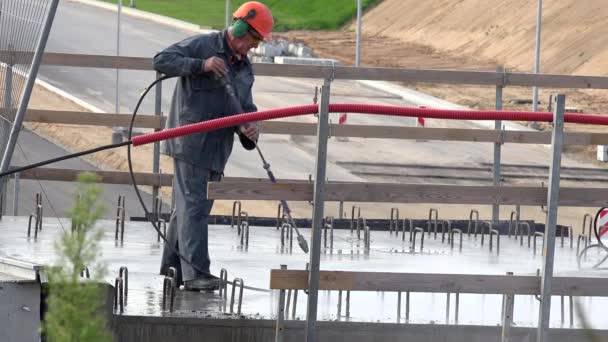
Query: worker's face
column 250, row 41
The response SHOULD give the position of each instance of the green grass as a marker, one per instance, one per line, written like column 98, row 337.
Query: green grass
column 288, row 14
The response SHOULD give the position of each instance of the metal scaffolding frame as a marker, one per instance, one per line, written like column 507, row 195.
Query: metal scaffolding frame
column 28, row 24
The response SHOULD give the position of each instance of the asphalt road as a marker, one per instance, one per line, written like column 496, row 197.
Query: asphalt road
column 82, row 29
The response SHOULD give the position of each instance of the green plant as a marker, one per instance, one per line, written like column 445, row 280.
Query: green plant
column 75, row 308
column 288, row 14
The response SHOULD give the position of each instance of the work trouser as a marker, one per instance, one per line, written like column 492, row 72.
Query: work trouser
column 188, row 231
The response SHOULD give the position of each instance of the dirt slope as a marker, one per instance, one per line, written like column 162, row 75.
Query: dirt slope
column 574, row 33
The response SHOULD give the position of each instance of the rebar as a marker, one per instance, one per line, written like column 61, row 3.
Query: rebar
column 352, row 217
column 473, row 211
column 244, row 233
column 578, row 242
column 512, row 226
column 223, row 291
column 120, row 219
column 497, row 233
column 240, row 220
column 361, row 222
column 443, row 231
column 118, row 295
column 393, row 224
column 123, row 274
column 236, row 210
column 416, row 230
column 411, row 228
column 237, row 282
column 286, row 227
column 431, row 211
column 452, row 232
column 521, row 236
column 536, row 234
column 588, row 216
column 570, row 235
column 168, row 289
column 367, row 238
column 280, row 215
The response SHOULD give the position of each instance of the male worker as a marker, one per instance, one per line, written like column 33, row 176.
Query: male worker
column 205, row 63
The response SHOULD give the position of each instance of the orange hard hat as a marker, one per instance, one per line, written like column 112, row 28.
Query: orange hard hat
column 257, row 15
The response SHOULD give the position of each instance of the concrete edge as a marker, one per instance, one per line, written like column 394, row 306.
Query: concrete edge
column 230, row 322
column 133, row 12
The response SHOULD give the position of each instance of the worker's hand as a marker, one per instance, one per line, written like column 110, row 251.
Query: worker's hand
column 216, row 65
column 251, row 131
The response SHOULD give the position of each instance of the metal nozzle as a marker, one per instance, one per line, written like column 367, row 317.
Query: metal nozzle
column 303, row 244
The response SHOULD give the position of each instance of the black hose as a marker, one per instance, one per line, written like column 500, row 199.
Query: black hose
column 599, row 244
column 139, row 197
column 67, row 156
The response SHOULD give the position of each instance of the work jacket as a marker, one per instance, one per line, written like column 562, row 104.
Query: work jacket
column 200, row 96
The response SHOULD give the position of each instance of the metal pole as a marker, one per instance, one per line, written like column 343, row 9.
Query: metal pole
column 158, row 92
column 318, row 200
column 16, row 195
column 14, row 134
column 497, row 149
column 358, row 49
column 228, row 14
column 552, row 205
column 5, row 127
column 117, row 104
column 537, row 53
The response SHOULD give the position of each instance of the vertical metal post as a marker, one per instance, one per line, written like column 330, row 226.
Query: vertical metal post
column 5, row 129
column 25, row 98
column 318, row 201
column 117, row 104
column 341, row 209
column 158, row 96
column 16, row 195
column 278, row 337
column 537, row 53
column 228, row 14
column 507, row 312
column 358, row 48
column 497, row 149
column 117, row 132
column 552, row 205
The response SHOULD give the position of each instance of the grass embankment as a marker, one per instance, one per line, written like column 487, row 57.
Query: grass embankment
column 288, row 14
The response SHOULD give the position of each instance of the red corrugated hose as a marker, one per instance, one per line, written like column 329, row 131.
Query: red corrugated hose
column 235, row 120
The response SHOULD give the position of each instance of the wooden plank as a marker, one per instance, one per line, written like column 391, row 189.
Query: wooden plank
column 440, row 134
column 121, row 177
column 106, row 177
column 97, row 61
column 407, row 193
column 437, row 283
column 93, row 119
column 489, row 78
column 298, row 128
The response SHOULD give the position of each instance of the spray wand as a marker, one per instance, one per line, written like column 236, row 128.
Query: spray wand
column 239, row 109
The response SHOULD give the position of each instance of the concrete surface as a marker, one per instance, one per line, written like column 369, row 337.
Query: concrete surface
column 140, row 252
column 19, row 309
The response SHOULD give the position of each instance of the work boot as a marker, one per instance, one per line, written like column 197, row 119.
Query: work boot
column 207, row 283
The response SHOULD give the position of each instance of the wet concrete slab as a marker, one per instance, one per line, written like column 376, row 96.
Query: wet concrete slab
column 140, row 252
